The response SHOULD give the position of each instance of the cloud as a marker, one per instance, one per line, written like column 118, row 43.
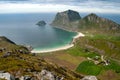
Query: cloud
column 26, row 6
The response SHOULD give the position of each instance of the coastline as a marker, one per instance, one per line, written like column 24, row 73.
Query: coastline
column 79, row 34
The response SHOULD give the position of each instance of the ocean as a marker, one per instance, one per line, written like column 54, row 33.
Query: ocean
column 22, row 29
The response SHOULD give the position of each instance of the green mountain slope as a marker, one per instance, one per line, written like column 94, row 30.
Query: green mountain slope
column 94, row 22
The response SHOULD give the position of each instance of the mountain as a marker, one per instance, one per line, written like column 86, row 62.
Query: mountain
column 65, row 19
column 24, row 65
column 92, row 21
column 71, row 20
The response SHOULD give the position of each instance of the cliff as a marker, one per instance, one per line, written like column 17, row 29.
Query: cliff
column 66, row 19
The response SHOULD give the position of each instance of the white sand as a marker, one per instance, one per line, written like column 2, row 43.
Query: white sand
column 52, row 50
column 60, row 48
column 79, row 35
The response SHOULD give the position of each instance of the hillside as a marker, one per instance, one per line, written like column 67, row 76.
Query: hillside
column 94, row 22
column 19, row 62
column 98, row 53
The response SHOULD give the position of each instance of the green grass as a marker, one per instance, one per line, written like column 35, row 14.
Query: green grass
column 104, row 36
column 108, row 43
column 100, row 44
column 88, row 67
column 113, row 66
column 78, row 51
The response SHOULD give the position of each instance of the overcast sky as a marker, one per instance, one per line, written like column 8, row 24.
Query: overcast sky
column 26, row 6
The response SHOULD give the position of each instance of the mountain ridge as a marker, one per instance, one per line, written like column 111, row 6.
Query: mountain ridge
column 91, row 21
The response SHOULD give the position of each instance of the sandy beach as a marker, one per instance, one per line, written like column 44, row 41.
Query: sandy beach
column 60, row 48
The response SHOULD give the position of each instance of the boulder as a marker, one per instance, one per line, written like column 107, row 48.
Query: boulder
column 6, row 76
column 7, row 54
column 89, row 78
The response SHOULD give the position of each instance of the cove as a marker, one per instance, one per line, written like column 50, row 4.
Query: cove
column 22, row 29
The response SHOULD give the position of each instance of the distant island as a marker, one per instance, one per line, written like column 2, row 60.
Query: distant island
column 41, row 23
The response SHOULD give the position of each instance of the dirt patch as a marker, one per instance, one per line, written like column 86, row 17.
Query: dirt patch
column 109, row 75
column 64, row 60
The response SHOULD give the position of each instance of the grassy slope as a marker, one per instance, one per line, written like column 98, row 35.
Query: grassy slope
column 98, row 44
column 101, row 44
column 103, row 38
column 20, row 64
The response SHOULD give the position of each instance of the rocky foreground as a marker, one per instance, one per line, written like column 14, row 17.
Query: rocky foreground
column 17, row 63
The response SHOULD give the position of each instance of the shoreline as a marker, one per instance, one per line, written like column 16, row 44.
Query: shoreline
column 79, row 34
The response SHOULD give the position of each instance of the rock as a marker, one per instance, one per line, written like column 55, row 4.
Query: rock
column 89, row 78
column 27, row 77
column 2, row 49
column 47, row 75
column 64, row 19
column 41, row 23
column 7, row 54
column 7, row 76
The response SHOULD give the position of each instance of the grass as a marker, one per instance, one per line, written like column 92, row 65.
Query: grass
column 78, row 51
column 113, row 66
column 99, row 44
column 108, row 43
column 69, row 58
column 89, row 68
column 104, row 36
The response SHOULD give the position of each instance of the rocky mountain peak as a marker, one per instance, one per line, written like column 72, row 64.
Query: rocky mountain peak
column 92, row 17
column 65, row 19
column 71, row 15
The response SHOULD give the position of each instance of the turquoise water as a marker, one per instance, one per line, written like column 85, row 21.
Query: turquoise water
column 21, row 29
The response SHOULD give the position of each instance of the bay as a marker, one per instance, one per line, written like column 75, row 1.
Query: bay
column 22, row 29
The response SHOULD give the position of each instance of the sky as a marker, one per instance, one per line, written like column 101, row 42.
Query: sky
column 35, row 6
